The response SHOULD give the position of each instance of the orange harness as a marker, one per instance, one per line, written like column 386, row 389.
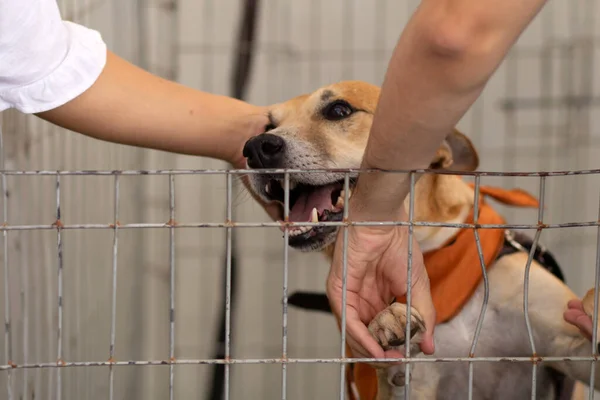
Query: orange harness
column 454, row 273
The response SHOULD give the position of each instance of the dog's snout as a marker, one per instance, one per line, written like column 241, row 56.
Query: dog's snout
column 264, row 151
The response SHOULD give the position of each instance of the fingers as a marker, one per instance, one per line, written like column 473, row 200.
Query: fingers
column 420, row 288
column 575, row 304
column 358, row 351
column 575, row 315
column 580, row 319
column 360, row 336
column 422, row 301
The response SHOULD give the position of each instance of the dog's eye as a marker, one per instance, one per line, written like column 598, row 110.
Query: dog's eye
column 337, row 110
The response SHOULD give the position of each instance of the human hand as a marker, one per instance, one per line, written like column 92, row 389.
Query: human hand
column 376, row 274
column 252, row 125
column 576, row 315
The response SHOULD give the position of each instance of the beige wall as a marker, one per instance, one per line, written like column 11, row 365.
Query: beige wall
column 302, row 45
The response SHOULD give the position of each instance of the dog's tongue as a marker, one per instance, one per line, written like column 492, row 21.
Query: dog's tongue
column 319, row 198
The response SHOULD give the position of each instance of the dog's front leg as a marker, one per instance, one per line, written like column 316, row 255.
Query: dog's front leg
column 391, row 383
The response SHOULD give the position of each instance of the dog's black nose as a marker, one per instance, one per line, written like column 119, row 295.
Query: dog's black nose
column 264, row 151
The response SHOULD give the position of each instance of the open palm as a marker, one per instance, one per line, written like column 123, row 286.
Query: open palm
column 376, row 274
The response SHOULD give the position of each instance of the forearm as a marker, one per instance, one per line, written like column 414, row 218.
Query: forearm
column 130, row 106
column 445, row 56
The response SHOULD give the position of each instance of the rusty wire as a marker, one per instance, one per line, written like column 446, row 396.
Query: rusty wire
column 284, row 360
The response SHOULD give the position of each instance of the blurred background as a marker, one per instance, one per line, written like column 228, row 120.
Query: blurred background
column 539, row 113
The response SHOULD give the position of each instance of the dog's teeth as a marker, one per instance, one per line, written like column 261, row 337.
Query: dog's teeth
column 349, row 193
column 296, row 231
column 293, row 184
column 314, row 216
column 339, row 203
column 267, row 188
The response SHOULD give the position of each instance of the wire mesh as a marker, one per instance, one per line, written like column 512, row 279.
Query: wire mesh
column 117, row 275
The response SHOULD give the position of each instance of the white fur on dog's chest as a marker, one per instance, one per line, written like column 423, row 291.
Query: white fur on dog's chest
column 503, row 334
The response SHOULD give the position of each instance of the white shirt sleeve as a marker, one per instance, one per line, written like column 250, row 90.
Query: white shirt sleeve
column 44, row 61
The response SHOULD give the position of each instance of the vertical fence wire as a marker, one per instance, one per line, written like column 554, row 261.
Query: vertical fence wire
column 7, row 320
column 48, row 303
column 24, row 292
column 284, row 321
column 172, row 284
column 228, row 288
column 344, row 286
column 25, row 301
column 542, row 194
column 113, row 320
column 407, row 332
column 59, row 245
column 595, row 316
column 486, row 285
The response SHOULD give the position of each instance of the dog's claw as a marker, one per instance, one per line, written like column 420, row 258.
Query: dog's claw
column 396, row 342
column 388, row 327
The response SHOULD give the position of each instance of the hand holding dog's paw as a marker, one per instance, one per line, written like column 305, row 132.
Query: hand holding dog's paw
column 377, row 273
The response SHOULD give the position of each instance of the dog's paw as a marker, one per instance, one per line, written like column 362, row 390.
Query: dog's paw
column 388, row 327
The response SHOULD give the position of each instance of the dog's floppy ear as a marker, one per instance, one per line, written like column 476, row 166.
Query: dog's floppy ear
column 456, row 154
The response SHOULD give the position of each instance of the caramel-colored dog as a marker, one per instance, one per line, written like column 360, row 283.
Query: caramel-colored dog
column 328, row 129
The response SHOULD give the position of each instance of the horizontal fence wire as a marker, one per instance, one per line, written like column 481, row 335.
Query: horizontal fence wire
column 337, row 360
column 175, row 224
column 281, row 171
column 226, row 224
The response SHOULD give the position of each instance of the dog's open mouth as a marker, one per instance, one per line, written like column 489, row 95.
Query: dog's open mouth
column 308, row 203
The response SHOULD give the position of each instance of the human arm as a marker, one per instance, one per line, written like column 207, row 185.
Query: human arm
column 446, row 54
column 130, row 106
column 63, row 73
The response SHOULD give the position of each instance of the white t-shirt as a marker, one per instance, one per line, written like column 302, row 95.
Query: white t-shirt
column 44, row 61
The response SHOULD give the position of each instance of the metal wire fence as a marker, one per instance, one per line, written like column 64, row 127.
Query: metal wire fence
column 137, row 235
column 172, row 224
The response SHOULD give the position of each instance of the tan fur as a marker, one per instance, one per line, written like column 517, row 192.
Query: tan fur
column 318, row 143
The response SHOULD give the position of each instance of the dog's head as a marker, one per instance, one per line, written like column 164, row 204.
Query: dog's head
column 326, row 129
